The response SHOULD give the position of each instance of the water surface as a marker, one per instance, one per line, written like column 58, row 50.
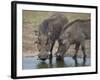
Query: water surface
column 33, row 63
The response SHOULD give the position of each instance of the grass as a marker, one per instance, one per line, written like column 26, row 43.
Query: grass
column 36, row 17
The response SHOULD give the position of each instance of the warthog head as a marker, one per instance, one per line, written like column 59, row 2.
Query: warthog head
column 63, row 46
column 44, row 46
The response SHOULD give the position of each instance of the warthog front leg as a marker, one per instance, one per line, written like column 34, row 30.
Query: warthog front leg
column 50, row 56
column 76, row 50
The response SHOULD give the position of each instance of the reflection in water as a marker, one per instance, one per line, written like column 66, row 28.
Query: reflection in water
column 33, row 63
column 83, row 63
column 76, row 63
column 42, row 65
column 60, row 63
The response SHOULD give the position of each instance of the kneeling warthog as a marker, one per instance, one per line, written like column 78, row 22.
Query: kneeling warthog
column 49, row 32
column 75, row 32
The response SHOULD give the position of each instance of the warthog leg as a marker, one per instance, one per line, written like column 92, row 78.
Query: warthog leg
column 83, row 50
column 50, row 56
column 76, row 50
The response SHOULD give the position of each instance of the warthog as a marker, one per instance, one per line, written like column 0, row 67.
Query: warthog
column 75, row 32
column 48, row 33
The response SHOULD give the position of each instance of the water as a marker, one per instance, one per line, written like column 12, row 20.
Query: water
column 33, row 63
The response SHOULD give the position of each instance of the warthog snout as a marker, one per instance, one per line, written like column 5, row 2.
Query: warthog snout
column 59, row 56
column 43, row 56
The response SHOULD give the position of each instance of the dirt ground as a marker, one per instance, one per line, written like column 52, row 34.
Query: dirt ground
column 32, row 19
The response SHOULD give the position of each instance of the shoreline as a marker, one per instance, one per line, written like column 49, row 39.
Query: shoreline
column 66, row 55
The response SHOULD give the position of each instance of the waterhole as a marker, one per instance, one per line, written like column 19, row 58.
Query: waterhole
column 34, row 63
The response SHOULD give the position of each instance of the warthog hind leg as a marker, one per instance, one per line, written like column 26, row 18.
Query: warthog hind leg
column 83, row 50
